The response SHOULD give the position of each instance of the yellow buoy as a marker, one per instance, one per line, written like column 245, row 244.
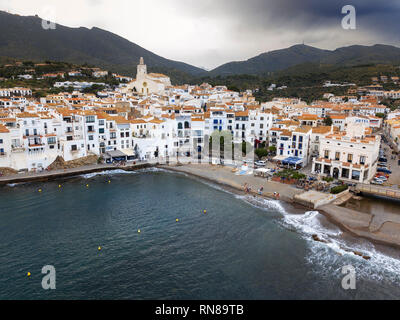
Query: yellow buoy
column 40, row 190
column 87, row 186
column 109, row 181
column 139, row 231
column 28, row 274
column 99, row 248
column 59, row 185
column 205, row 211
column 177, row 220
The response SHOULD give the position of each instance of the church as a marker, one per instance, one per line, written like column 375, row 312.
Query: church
column 147, row 83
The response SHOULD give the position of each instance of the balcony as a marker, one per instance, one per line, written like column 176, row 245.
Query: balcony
column 35, row 145
column 17, row 149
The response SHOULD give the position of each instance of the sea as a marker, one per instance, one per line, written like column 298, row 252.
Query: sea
column 155, row 234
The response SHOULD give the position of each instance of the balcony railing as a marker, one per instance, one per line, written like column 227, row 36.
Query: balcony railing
column 17, row 149
column 35, row 145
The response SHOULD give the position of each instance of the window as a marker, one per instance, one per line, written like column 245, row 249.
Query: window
column 51, row 140
column 1, row 141
column 337, row 156
column 90, row 119
column 350, row 158
column 362, row 159
column 326, row 154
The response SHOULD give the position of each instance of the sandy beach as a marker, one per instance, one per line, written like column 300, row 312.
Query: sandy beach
column 224, row 176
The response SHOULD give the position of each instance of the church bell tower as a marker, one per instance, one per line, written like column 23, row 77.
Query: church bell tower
column 141, row 69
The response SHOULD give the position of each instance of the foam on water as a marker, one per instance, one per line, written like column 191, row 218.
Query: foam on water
column 263, row 204
column 12, row 185
column 105, row 173
column 309, row 224
column 120, row 171
column 381, row 266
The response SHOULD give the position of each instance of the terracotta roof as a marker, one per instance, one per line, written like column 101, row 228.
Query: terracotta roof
column 3, row 129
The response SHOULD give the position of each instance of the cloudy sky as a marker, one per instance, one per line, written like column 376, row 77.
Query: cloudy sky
column 208, row 33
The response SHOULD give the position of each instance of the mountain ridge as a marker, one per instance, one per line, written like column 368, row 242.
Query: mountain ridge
column 23, row 37
column 282, row 59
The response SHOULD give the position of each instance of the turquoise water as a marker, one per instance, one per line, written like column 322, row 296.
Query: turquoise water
column 243, row 248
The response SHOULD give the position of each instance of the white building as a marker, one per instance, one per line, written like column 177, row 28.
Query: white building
column 348, row 156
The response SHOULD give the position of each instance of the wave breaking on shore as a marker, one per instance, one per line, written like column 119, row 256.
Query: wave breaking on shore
column 333, row 250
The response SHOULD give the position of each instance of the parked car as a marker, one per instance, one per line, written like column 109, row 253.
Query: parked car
column 382, row 159
column 260, row 163
column 381, row 174
column 383, row 178
column 384, row 170
column 382, row 164
column 379, row 182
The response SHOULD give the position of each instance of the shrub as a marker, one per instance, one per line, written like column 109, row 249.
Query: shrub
column 339, row 189
column 290, row 174
column 298, row 176
column 328, row 179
